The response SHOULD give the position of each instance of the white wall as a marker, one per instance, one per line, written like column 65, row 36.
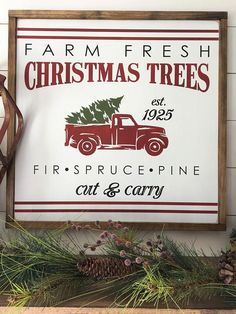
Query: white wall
column 205, row 240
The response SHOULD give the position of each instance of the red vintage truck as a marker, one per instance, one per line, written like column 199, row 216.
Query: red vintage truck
column 122, row 133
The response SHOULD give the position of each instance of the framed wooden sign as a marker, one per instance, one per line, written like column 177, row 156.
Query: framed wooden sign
column 125, row 117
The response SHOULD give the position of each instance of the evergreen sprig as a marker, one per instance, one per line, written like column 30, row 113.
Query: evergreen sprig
column 99, row 112
column 42, row 269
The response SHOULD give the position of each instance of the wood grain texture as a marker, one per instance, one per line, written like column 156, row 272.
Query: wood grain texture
column 74, row 310
column 10, row 184
column 222, row 120
column 103, row 306
column 136, row 225
column 124, row 15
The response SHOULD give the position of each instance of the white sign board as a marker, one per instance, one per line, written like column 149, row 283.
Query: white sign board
column 121, row 120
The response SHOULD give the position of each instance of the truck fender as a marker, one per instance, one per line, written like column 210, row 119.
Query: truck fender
column 90, row 136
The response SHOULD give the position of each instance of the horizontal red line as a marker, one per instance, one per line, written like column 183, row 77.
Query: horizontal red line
column 112, row 203
column 116, row 38
column 37, row 29
column 169, row 211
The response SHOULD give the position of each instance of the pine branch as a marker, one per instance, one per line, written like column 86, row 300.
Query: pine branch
column 74, row 118
column 45, row 269
column 99, row 112
column 186, row 257
column 32, row 257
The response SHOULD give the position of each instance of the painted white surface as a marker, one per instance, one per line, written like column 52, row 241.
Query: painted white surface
column 203, row 239
column 1, row 103
column 49, row 106
column 231, row 143
column 3, row 47
column 231, row 49
column 231, row 188
column 231, row 107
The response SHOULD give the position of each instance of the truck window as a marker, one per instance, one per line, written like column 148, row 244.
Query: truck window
column 127, row 122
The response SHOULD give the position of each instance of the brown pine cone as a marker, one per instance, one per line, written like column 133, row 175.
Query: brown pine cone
column 105, row 267
column 227, row 267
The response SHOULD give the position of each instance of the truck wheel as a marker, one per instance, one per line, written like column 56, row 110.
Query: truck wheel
column 153, row 147
column 87, row 146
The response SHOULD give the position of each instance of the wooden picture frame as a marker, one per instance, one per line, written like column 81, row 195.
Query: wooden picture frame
column 220, row 17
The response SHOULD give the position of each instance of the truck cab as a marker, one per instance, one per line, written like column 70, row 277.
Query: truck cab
column 123, row 130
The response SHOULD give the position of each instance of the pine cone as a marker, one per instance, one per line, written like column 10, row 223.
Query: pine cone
column 105, row 267
column 227, row 267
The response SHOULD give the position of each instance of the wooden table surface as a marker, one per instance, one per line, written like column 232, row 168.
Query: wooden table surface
column 39, row 310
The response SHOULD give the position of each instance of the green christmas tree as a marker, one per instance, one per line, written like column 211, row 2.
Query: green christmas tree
column 99, row 112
